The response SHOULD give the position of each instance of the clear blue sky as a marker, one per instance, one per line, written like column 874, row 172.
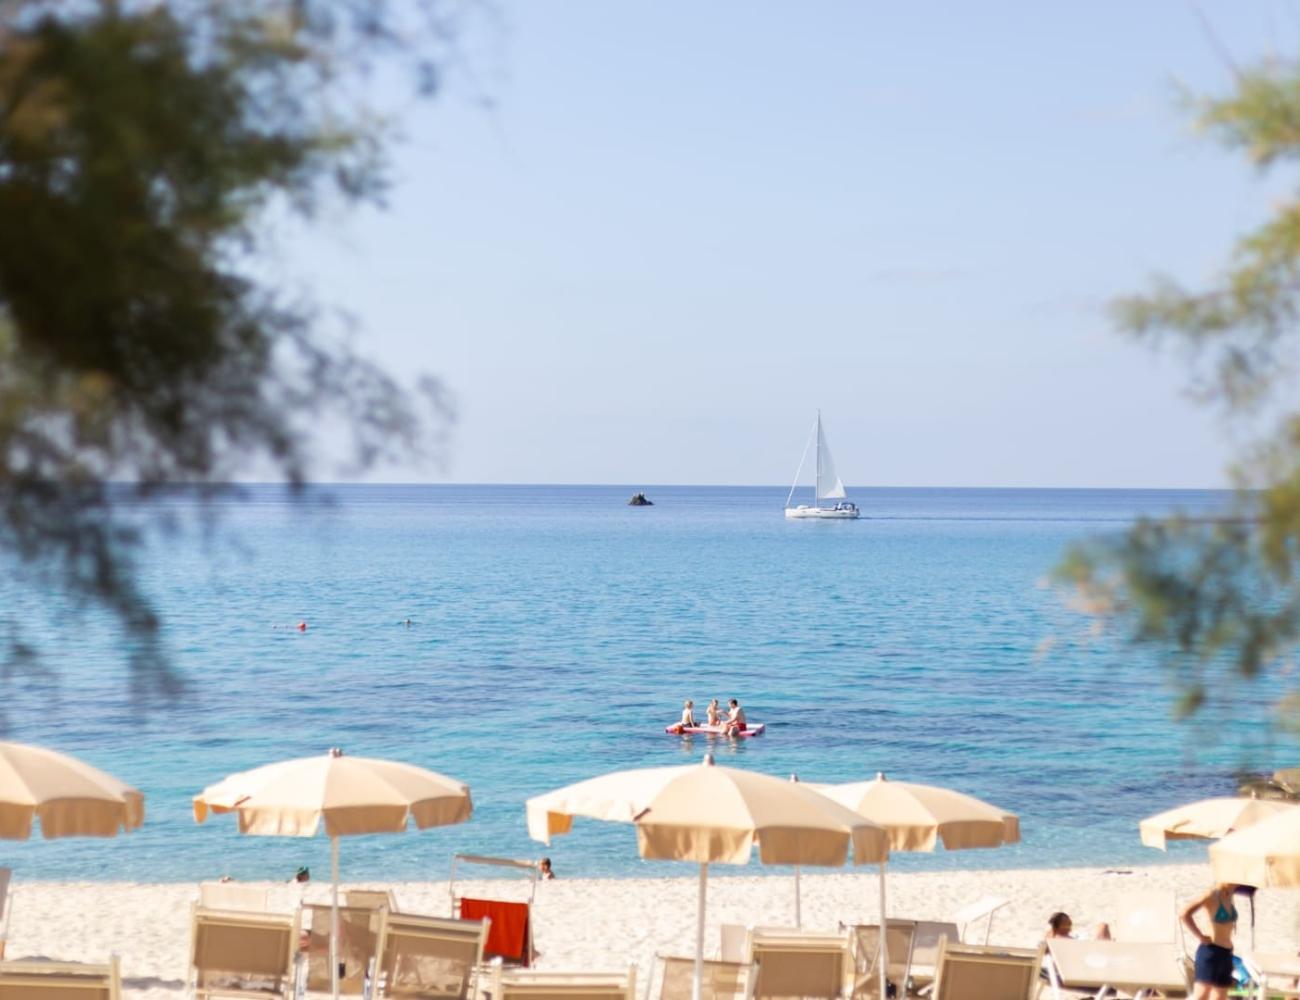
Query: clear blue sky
column 684, row 226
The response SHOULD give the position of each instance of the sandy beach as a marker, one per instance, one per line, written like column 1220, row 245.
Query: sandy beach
column 605, row 924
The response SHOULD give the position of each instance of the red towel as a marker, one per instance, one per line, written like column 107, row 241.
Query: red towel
column 508, row 935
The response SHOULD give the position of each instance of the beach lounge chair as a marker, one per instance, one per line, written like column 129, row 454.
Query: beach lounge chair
column 1147, row 917
column 722, row 980
column 430, row 958
column 968, row 917
column 733, row 942
column 6, row 874
column 1107, row 967
column 521, row 984
column 371, row 899
column 804, row 964
column 361, row 934
column 864, row 951
column 233, row 896
column 1277, row 973
column 983, row 972
column 925, row 948
column 236, row 954
column 38, row 979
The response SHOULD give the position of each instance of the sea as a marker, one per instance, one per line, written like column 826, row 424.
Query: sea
column 519, row 638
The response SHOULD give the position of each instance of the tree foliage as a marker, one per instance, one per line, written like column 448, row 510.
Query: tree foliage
column 142, row 148
column 1223, row 594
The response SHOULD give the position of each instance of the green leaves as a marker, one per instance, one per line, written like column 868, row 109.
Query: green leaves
column 140, row 147
column 1222, row 595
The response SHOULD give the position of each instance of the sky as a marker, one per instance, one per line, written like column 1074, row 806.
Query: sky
column 643, row 243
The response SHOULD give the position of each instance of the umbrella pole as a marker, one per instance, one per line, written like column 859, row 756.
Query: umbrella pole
column 334, row 917
column 798, row 908
column 884, row 948
column 697, row 986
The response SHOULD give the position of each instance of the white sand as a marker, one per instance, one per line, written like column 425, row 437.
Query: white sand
column 605, row 924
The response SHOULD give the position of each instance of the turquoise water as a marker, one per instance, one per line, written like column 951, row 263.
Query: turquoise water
column 555, row 631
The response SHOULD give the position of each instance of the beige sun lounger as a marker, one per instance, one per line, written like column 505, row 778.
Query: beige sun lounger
column 233, row 896
column 722, row 980
column 1276, row 972
column 864, row 951
column 371, row 899
column 1148, row 916
column 983, row 972
column 982, row 909
column 1106, row 966
column 522, row 984
column 925, row 947
column 430, row 958
column 237, row 954
column 733, row 939
column 361, row 935
column 804, row 964
column 37, row 979
column 6, row 874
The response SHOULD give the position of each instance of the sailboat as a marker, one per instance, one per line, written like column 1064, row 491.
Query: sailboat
column 827, row 485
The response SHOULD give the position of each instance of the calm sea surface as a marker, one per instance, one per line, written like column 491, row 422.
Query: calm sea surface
column 556, row 630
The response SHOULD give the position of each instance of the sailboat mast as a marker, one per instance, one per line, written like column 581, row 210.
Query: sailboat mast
column 817, row 480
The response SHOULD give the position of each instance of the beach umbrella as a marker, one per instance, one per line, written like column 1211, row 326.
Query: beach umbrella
column 917, row 818
column 1208, row 819
column 345, row 795
column 1264, row 855
column 68, row 797
column 713, row 815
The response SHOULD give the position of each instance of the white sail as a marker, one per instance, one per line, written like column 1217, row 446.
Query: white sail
column 829, row 485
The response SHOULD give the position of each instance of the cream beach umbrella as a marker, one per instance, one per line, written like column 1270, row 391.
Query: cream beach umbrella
column 1264, row 855
column 67, row 796
column 1209, row 819
column 918, row 817
column 346, row 795
column 711, row 815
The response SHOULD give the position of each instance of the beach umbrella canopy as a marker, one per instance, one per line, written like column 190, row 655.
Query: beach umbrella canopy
column 69, row 797
column 1208, row 819
column 919, row 817
column 1264, row 855
column 709, row 814
column 345, row 795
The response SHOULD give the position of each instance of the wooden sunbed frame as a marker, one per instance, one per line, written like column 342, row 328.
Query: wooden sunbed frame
column 864, row 953
column 458, row 939
column 32, row 979
column 963, row 971
column 216, row 934
column 724, row 980
column 1107, row 966
column 358, row 958
column 521, row 984
column 799, row 963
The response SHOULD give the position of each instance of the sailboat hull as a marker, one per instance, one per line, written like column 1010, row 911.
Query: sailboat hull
column 823, row 513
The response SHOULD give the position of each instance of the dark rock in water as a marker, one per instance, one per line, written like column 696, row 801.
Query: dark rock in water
column 639, row 500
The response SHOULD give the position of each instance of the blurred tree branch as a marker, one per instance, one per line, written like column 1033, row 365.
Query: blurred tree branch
column 142, row 145
column 1224, row 592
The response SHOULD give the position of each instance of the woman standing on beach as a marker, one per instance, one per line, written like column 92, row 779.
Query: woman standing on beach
column 1214, row 956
